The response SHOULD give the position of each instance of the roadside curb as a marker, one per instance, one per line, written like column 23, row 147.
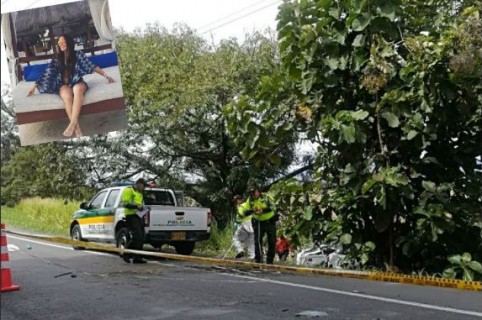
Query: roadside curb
column 374, row 276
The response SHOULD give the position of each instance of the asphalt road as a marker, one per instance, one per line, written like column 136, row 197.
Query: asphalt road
column 59, row 283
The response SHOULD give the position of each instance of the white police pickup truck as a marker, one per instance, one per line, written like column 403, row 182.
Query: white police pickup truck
column 102, row 219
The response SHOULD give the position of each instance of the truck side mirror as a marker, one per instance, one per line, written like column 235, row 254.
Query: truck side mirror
column 84, row 205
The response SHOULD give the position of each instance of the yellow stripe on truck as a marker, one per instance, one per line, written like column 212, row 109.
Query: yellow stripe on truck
column 109, row 219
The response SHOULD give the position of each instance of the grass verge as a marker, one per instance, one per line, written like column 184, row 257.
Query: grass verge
column 53, row 216
column 48, row 215
column 218, row 243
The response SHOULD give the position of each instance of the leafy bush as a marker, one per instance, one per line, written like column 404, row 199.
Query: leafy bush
column 219, row 242
column 382, row 89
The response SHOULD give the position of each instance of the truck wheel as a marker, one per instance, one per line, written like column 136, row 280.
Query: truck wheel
column 185, row 248
column 76, row 234
column 122, row 238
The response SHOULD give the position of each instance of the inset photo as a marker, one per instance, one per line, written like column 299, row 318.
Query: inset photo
column 64, row 71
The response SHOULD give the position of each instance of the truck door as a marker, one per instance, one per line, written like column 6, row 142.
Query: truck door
column 89, row 219
column 106, row 216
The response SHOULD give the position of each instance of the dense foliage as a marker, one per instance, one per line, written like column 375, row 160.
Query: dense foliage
column 46, row 170
column 176, row 88
column 392, row 96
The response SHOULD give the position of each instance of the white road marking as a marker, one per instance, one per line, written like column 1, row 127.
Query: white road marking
column 59, row 246
column 360, row 295
column 290, row 284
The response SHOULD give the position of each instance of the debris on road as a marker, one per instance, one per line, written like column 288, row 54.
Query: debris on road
column 63, row 274
column 312, row 314
column 12, row 247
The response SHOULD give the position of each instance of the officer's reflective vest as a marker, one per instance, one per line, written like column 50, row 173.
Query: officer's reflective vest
column 240, row 217
column 259, row 204
column 131, row 196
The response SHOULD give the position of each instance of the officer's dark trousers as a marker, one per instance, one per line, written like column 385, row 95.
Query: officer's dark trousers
column 135, row 225
column 261, row 228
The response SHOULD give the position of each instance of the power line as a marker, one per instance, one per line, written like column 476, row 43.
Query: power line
column 231, row 14
column 241, row 17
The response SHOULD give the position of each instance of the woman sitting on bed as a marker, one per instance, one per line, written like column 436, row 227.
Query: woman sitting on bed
column 63, row 76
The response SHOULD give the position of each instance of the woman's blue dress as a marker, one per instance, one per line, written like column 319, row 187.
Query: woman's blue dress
column 51, row 79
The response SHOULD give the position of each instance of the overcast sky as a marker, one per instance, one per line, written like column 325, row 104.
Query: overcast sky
column 218, row 19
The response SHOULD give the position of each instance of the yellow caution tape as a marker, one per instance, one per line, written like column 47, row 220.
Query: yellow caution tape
column 376, row 276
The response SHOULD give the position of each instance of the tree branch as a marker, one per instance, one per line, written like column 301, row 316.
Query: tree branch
column 290, row 175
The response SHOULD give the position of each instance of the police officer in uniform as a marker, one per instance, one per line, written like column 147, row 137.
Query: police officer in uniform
column 264, row 222
column 133, row 200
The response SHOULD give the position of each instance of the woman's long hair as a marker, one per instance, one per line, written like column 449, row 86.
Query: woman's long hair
column 67, row 59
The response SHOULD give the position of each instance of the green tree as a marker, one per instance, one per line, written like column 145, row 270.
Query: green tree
column 9, row 137
column 392, row 96
column 47, row 170
column 176, row 86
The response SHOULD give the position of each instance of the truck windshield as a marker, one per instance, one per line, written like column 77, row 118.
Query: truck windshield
column 158, row 198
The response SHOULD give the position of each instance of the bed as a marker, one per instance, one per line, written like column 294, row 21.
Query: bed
column 101, row 96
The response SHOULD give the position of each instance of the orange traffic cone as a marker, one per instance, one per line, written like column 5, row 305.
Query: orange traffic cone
column 6, row 280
